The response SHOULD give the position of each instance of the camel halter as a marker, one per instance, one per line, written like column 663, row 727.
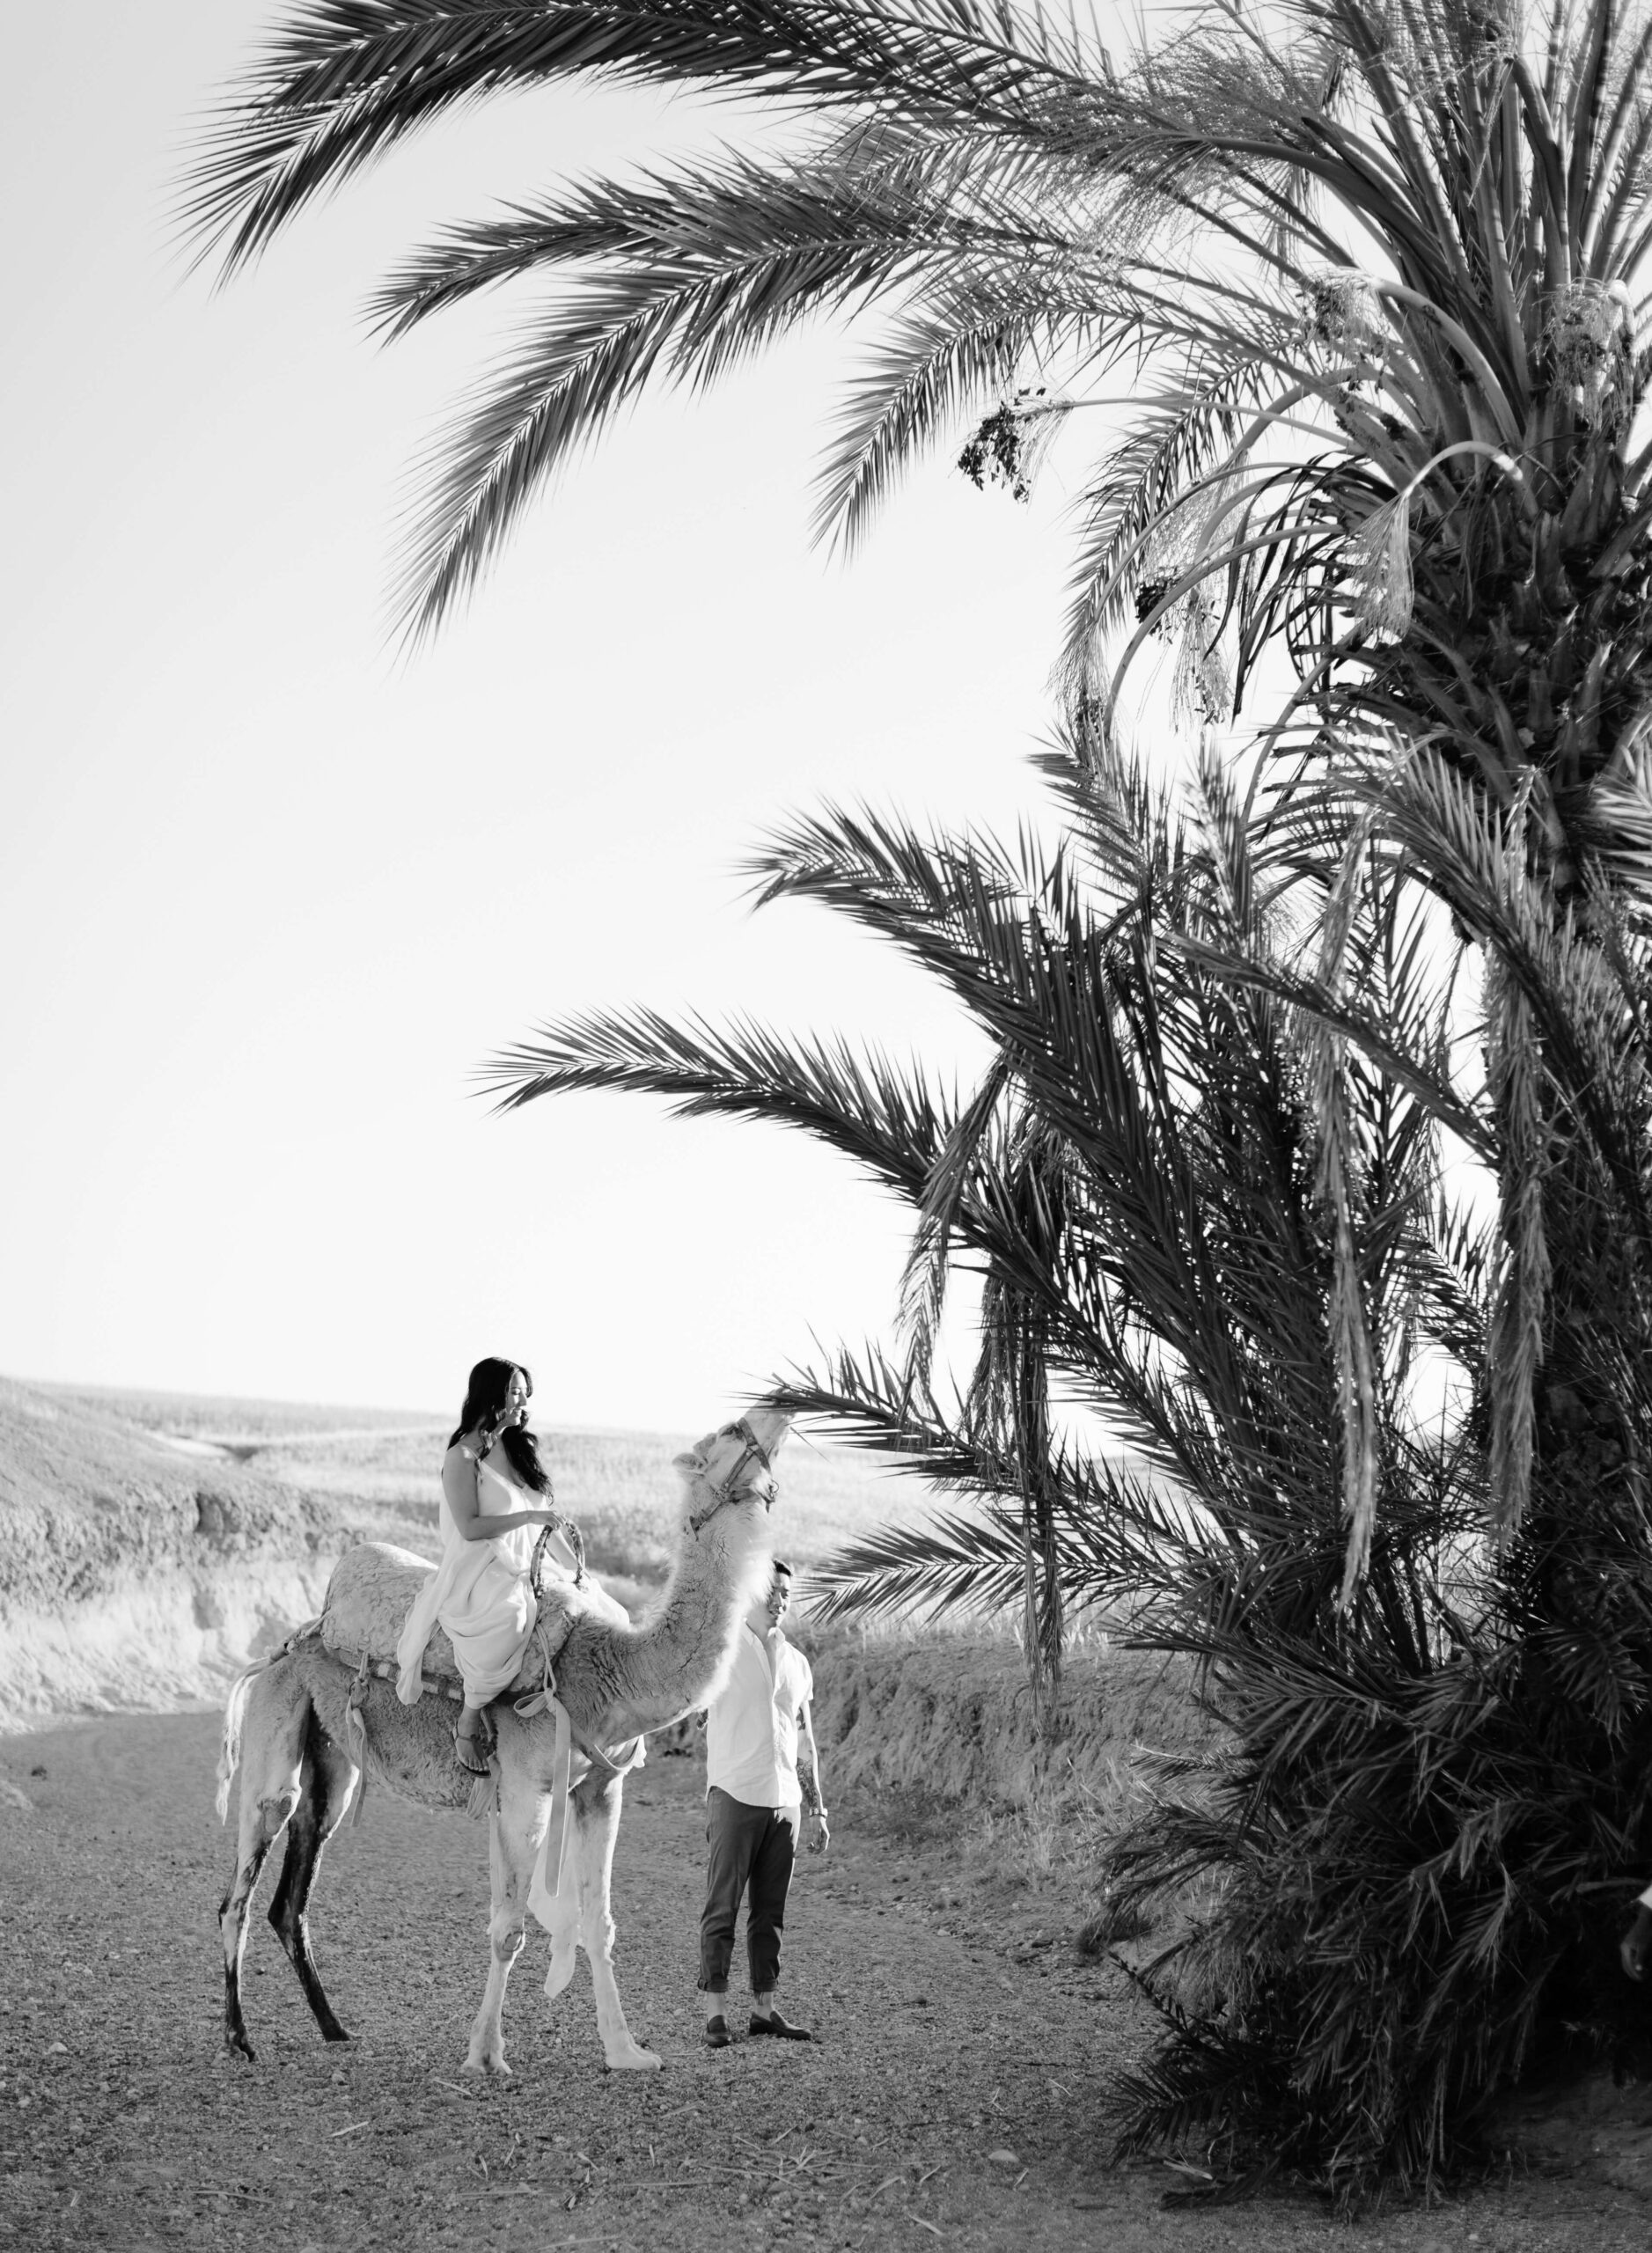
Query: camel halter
column 727, row 1491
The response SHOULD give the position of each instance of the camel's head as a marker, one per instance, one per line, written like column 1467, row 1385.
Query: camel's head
column 734, row 1465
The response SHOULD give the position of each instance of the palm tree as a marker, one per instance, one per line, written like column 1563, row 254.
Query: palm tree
column 1371, row 266
column 1185, row 1147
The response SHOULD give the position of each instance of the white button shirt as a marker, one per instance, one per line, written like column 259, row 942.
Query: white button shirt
column 752, row 1723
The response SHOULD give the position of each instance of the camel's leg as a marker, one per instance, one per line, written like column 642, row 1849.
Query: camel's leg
column 595, row 1827
column 327, row 1778
column 513, row 1839
column 277, row 1717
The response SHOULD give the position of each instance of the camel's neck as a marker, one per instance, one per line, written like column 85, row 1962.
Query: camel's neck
column 678, row 1657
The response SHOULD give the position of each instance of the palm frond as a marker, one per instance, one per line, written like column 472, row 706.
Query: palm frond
column 888, row 1121
column 929, row 1265
column 933, row 369
column 694, row 273
column 344, row 80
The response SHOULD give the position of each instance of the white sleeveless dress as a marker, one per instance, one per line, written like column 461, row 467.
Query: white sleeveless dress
column 480, row 1594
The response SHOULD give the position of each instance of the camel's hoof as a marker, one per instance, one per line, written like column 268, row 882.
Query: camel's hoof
column 237, row 2045
column 635, row 2061
column 479, row 2069
column 335, row 2033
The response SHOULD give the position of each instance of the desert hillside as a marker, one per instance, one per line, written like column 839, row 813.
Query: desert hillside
column 135, row 1567
column 150, row 1543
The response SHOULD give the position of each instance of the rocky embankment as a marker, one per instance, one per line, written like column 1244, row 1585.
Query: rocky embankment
column 136, row 1571
column 953, row 1717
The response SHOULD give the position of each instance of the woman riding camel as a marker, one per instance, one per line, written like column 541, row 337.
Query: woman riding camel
column 481, row 1593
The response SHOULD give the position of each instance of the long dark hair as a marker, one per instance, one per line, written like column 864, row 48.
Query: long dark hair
column 485, row 1406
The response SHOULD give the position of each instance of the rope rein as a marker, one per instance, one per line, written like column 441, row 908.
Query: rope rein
column 576, row 1541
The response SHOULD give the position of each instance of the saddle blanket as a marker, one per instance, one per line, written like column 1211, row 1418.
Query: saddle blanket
column 373, row 1591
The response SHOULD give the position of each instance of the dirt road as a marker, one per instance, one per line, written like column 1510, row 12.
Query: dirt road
column 955, row 2095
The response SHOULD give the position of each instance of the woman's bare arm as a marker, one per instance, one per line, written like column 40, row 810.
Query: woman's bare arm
column 458, row 1484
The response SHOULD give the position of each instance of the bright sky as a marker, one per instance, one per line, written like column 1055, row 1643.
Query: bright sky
column 269, row 894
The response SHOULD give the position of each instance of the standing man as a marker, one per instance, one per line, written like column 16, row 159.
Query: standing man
column 754, row 1801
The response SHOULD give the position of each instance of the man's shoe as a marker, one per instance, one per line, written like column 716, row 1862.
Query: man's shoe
column 781, row 2029
column 718, row 2035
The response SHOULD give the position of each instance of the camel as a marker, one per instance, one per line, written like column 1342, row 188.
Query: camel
column 288, row 1726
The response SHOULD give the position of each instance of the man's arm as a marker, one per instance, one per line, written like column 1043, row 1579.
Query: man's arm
column 809, row 1778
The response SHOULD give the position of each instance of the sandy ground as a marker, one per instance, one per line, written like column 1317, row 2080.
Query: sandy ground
column 956, row 2094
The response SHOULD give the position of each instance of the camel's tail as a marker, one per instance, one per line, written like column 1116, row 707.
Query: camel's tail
column 235, row 1711
column 230, row 1750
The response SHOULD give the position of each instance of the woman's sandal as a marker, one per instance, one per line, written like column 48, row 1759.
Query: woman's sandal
column 471, row 1749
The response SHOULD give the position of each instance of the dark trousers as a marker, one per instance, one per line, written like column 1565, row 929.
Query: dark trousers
column 751, row 1848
